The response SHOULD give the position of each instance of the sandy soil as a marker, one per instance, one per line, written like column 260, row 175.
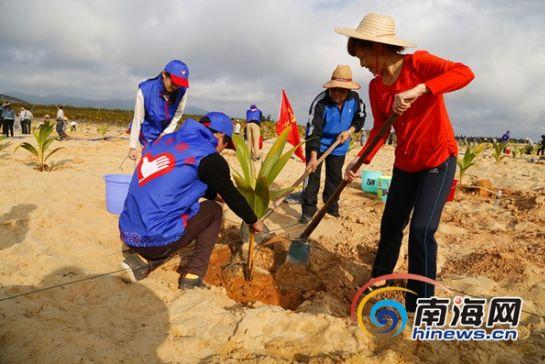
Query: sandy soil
column 54, row 229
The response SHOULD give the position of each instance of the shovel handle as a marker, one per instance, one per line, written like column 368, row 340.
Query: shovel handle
column 321, row 213
column 307, row 172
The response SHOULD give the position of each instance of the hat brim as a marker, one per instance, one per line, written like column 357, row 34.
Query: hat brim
column 179, row 81
column 353, row 33
column 342, row 84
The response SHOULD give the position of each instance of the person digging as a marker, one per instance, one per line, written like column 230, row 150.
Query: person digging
column 411, row 86
column 162, row 212
column 335, row 113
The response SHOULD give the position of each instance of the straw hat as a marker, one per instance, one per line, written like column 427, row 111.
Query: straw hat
column 376, row 28
column 342, row 77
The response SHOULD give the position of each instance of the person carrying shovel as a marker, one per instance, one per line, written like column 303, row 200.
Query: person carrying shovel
column 159, row 106
column 335, row 113
column 411, row 86
column 162, row 212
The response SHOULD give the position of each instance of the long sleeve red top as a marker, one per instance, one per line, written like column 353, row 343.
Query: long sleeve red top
column 425, row 138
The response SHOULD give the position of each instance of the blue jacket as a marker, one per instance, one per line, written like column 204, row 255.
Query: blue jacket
column 165, row 189
column 158, row 111
column 326, row 122
column 253, row 115
column 8, row 114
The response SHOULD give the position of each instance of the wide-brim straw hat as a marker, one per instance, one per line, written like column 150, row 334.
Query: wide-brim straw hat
column 342, row 78
column 376, row 28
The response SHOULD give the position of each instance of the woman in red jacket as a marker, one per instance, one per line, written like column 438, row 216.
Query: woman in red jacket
column 412, row 86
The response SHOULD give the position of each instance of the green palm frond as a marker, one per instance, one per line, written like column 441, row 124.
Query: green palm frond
column 274, row 154
column 245, row 160
column 256, row 189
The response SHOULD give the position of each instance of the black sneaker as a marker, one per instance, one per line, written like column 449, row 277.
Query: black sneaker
column 189, row 283
column 134, row 268
column 334, row 214
column 305, row 219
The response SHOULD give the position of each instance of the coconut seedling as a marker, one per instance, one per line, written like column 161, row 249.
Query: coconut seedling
column 41, row 151
column 516, row 151
column 498, row 148
column 468, row 160
column 256, row 188
column 102, row 130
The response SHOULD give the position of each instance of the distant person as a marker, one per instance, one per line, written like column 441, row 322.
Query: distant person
column 335, row 113
column 542, row 147
column 2, row 124
column 412, row 86
column 236, row 128
column 159, row 106
column 73, row 125
column 26, row 120
column 9, row 119
column 61, row 123
column 505, row 137
column 162, row 212
column 253, row 131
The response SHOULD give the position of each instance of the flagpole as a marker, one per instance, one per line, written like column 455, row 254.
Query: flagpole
column 280, row 107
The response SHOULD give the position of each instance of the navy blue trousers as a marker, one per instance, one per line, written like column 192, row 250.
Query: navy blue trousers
column 424, row 194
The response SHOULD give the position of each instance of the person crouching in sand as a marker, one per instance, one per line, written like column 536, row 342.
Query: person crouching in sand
column 412, row 86
column 162, row 212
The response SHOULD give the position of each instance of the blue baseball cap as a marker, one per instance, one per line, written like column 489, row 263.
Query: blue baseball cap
column 220, row 122
column 179, row 73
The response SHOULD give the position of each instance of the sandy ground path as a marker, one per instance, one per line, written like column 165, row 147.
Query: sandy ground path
column 54, row 228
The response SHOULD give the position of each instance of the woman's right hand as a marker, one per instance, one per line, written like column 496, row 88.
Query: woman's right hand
column 348, row 174
column 133, row 154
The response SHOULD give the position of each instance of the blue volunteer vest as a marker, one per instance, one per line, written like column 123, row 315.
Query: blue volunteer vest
column 253, row 115
column 165, row 188
column 335, row 122
column 158, row 111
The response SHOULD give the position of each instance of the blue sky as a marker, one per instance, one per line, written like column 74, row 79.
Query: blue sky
column 243, row 52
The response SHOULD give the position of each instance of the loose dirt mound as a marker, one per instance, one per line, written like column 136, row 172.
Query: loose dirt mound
column 263, row 286
column 491, row 264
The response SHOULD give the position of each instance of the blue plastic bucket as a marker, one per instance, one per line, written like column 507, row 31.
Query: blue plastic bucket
column 369, row 181
column 117, row 187
column 384, row 187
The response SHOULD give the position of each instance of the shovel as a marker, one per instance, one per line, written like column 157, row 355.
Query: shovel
column 244, row 231
column 299, row 250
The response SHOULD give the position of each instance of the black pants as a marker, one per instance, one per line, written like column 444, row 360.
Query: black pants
column 25, row 125
column 7, row 126
column 541, row 150
column 204, row 227
column 424, row 193
column 333, row 177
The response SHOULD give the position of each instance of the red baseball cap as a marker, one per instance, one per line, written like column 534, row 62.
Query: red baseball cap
column 179, row 73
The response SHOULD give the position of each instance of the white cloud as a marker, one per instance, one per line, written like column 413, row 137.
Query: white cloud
column 241, row 52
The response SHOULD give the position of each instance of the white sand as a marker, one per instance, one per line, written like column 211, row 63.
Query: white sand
column 54, row 228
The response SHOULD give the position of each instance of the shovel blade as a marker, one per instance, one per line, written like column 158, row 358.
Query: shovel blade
column 299, row 252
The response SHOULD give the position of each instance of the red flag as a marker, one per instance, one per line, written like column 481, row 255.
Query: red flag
column 286, row 119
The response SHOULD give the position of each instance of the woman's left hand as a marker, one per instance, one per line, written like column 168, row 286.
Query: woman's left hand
column 404, row 100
